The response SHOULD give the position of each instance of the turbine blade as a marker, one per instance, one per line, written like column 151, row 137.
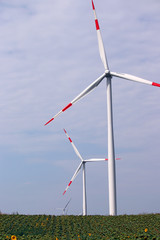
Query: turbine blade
column 95, row 160
column 74, row 147
column 66, row 204
column 74, row 176
column 100, row 41
column 82, row 94
column 98, row 159
column 134, row 78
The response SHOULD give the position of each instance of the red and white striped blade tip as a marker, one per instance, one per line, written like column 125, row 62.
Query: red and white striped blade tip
column 67, row 187
column 64, row 192
column 69, row 183
column 155, row 84
column 68, row 136
column 96, row 20
column 68, row 106
column 93, row 5
column 49, row 121
column 63, row 110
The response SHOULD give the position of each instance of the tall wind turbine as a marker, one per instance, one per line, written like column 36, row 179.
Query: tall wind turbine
column 82, row 165
column 108, row 76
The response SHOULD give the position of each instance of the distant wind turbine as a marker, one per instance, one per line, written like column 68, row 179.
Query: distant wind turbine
column 107, row 75
column 82, row 165
column 65, row 209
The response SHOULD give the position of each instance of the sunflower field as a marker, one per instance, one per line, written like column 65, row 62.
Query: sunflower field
column 27, row 227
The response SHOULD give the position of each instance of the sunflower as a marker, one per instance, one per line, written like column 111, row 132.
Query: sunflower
column 13, row 237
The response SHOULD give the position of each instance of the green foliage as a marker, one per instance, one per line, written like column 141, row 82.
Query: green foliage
column 43, row 227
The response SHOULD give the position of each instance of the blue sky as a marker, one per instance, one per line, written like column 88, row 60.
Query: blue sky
column 48, row 55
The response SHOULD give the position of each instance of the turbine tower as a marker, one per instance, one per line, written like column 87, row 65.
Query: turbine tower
column 108, row 76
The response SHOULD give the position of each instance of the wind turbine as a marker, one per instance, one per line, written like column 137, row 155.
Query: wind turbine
column 64, row 209
column 82, row 165
column 108, row 76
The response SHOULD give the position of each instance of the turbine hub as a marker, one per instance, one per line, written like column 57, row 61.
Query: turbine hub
column 108, row 74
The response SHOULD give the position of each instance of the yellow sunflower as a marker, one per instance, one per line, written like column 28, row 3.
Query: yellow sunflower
column 13, row 237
